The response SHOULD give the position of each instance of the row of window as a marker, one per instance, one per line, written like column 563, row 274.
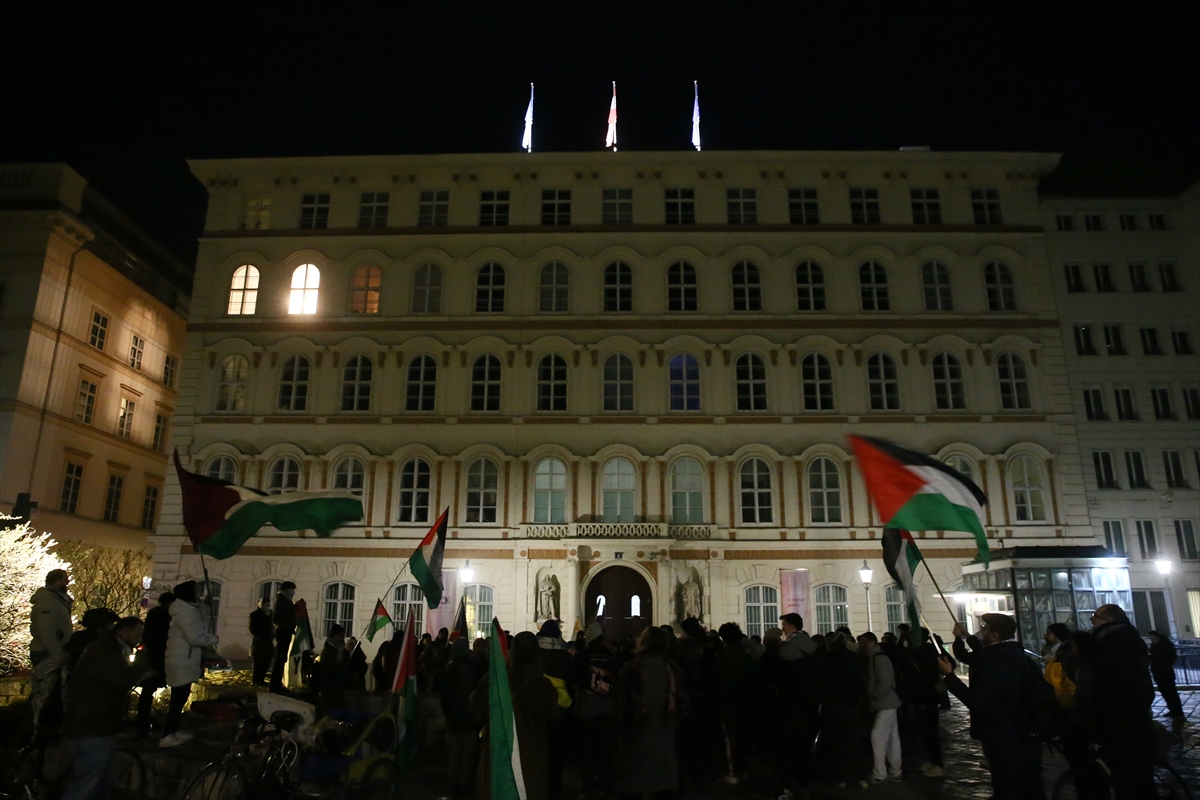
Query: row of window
column 1103, row 279
column 755, row 492
column 1149, row 547
column 1126, row 221
column 1126, row 407
column 1114, row 341
column 85, row 412
column 679, row 208
column 98, row 338
column 114, row 494
column 683, row 383
column 746, row 288
column 1137, row 476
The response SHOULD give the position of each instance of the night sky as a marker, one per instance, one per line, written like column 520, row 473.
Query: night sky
column 126, row 96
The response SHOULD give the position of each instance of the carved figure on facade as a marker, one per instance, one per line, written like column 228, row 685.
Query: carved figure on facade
column 689, row 597
column 548, row 595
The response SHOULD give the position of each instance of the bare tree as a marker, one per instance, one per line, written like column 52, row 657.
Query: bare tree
column 106, row 578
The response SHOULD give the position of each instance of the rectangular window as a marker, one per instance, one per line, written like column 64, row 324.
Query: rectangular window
column 1166, row 276
column 1191, row 402
column 258, row 214
column 1074, row 275
column 149, row 508
column 680, row 206
column 99, row 330
column 373, row 210
column 1158, row 222
column 1083, row 341
column 1106, row 475
column 314, row 210
column 617, row 206
column 1147, row 539
column 1103, row 275
column 160, row 432
column 85, row 403
column 1173, row 466
column 1128, row 222
column 802, row 207
column 741, row 206
column 556, row 206
column 72, row 481
column 985, row 204
column 137, row 348
column 1114, row 537
column 170, row 367
column 1185, row 537
column 1125, row 407
column 1137, row 277
column 1064, row 222
column 434, row 208
column 1150, row 344
column 864, row 206
column 1113, row 344
column 926, row 207
column 1181, row 343
column 125, row 418
column 112, row 498
column 493, row 207
column 1135, row 470
column 1093, row 222
column 1093, row 402
column 1162, row 403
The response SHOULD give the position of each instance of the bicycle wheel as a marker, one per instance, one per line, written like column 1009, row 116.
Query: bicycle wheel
column 280, row 767
column 379, row 781
column 1168, row 783
column 219, row 781
column 129, row 775
column 23, row 778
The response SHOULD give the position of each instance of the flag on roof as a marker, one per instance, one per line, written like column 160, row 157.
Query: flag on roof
column 425, row 564
column 914, row 492
column 303, row 639
column 508, row 781
column 611, row 139
column 219, row 516
column 527, row 138
column 379, row 620
column 404, row 684
column 901, row 557
column 696, row 117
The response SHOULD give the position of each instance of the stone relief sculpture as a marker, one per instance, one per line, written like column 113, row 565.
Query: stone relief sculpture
column 548, row 597
column 690, row 598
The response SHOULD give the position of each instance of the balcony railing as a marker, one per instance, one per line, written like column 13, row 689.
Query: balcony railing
column 617, row 530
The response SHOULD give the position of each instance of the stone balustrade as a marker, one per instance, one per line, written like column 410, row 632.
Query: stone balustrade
column 616, row 530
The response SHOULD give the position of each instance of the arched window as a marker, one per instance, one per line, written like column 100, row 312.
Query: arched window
column 948, row 391
column 873, row 285
column 810, row 286
column 883, row 382
column 231, row 384
column 414, row 491
column 635, row 606
column 223, row 468
column 552, row 383
column 407, row 598
column 936, row 280
column 243, row 291
column 421, row 387
column 618, row 383
column 267, row 590
column 356, row 384
column 1001, row 294
column 755, row 492
column 618, row 287
column 685, row 382
column 894, row 600
column 427, row 289
column 485, row 384
column 681, row 287
column 364, row 293
column 306, row 281
column 833, row 611
column 284, row 476
column 617, row 491
column 489, row 288
column 550, row 491
column 747, row 288
column 1025, row 478
column 762, row 609
column 479, row 604
column 293, row 384
column 824, row 491
column 816, row 375
column 962, row 465
column 1014, row 382
column 687, row 492
column 350, row 475
column 338, row 608
column 751, row 383
column 554, row 287
column 483, row 482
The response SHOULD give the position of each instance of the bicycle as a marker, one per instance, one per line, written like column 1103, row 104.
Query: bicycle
column 33, row 776
column 227, row 778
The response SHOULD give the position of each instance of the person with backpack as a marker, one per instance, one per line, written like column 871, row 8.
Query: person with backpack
column 1005, row 699
column 882, row 705
column 596, row 676
column 1059, row 671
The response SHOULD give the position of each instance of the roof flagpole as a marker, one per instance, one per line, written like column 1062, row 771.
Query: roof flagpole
column 611, row 139
column 696, row 117
column 527, row 139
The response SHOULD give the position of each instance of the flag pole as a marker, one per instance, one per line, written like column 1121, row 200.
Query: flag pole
column 939, row 589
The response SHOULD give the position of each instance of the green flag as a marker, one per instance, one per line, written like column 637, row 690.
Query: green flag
column 304, row 637
column 379, row 621
column 508, row 782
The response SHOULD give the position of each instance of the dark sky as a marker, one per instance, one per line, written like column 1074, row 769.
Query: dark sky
column 126, row 96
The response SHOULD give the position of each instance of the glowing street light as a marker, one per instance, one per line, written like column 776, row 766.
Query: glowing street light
column 865, row 574
column 1164, row 566
column 466, row 573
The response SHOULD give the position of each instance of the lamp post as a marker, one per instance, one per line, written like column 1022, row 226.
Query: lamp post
column 466, row 573
column 865, row 574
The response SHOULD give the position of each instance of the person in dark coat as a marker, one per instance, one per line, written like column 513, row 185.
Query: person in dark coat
column 153, row 654
column 924, row 687
column 356, row 666
column 558, row 665
column 843, row 695
column 462, row 731
column 691, row 734
column 595, row 683
column 1162, row 667
column 649, row 703
column 736, row 674
column 998, row 674
column 262, row 641
column 331, row 670
column 379, row 665
column 284, row 618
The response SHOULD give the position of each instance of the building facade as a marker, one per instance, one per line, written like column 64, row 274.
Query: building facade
column 92, row 317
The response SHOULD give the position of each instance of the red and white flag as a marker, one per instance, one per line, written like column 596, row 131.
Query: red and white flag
column 611, row 139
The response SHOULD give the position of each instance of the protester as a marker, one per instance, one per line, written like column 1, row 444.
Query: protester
column 386, row 657
column 559, row 667
column 736, row 674
column 356, row 666
column 796, row 643
column 999, row 671
column 1059, row 669
column 94, row 621
column 882, row 702
column 462, row 731
column 284, row 618
column 649, row 702
column 842, row 695
column 331, row 670
column 1162, row 667
column 262, row 645
column 152, row 656
column 691, row 655
column 185, row 649
column 97, row 699
column 924, row 688
column 595, row 680
column 50, row 616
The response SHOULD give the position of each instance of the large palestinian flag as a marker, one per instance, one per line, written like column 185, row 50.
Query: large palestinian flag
column 426, row 561
column 219, row 516
column 508, row 780
column 404, row 686
column 901, row 557
column 914, row 492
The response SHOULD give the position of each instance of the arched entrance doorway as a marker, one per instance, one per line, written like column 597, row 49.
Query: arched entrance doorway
column 620, row 598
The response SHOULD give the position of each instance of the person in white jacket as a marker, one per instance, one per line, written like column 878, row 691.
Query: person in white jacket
column 185, row 647
column 50, row 617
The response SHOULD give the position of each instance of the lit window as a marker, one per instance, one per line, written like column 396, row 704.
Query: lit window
column 414, row 491
column 762, row 609
column 364, row 294
column 258, row 213
column 243, row 291
column 306, row 280
column 478, row 600
column 408, row 601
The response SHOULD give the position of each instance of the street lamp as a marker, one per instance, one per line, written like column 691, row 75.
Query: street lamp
column 466, row 573
column 865, row 574
column 1164, row 566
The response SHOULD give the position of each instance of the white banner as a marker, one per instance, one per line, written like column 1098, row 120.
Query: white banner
column 793, row 584
column 443, row 615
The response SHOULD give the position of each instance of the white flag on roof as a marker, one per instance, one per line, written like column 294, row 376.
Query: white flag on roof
column 527, row 139
column 696, row 117
column 611, row 139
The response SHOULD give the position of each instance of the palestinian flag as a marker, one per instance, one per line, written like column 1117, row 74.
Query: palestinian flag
column 404, row 684
column 425, row 564
column 459, row 631
column 914, row 492
column 303, row 640
column 508, row 782
column 901, row 557
column 379, row 621
column 219, row 517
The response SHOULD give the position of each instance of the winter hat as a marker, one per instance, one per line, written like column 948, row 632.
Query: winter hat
column 550, row 629
column 592, row 632
column 95, row 617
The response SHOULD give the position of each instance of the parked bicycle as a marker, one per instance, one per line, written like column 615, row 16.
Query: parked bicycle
column 40, row 770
